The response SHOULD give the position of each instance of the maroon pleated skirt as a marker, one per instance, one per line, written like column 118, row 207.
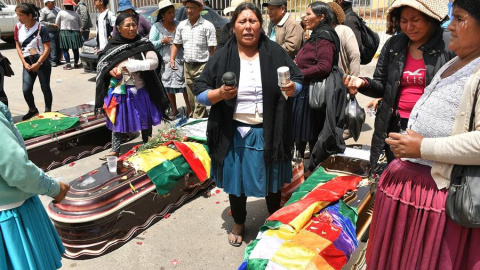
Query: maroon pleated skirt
column 410, row 228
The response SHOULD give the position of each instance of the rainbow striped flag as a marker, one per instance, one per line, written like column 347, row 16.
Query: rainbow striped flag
column 314, row 230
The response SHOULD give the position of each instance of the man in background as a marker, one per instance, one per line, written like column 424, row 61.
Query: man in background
column 82, row 10
column 198, row 38
column 352, row 20
column 105, row 23
column 283, row 28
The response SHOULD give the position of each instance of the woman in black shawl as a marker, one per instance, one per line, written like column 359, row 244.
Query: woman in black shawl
column 316, row 59
column 128, row 88
column 249, row 127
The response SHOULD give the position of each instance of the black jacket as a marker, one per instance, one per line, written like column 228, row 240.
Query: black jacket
column 353, row 21
column 388, row 74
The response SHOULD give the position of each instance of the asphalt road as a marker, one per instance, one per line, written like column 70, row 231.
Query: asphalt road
column 195, row 235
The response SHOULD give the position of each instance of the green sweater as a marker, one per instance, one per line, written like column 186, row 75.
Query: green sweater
column 20, row 179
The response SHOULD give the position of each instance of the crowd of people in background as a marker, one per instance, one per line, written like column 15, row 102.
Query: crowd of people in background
column 424, row 87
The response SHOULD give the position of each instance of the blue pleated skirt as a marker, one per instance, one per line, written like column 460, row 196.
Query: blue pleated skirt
column 135, row 112
column 28, row 239
column 244, row 170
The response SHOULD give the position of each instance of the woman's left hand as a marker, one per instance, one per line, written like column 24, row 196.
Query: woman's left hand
column 405, row 145
column 289, row 89
column 35, row 67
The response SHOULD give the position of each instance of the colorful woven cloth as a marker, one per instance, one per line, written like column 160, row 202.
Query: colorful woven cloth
column 315, row 229
column 117, row 86
column 46, row 123
column 168, row 163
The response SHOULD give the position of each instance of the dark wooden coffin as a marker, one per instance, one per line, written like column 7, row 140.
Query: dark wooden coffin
column 362, row 198
column 91, row 136
column 103, row 210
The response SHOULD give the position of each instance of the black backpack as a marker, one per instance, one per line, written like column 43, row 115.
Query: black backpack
column 370, row 41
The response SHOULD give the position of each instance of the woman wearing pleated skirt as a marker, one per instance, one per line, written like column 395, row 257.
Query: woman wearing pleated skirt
column 70, row 37
column 28, row 239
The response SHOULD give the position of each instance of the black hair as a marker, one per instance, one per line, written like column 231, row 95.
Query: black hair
column 105, row 2
column 28, row 9
column 346, row 4
column 162, row 11
column 246, row 6
column 68, row 7
column 472, row 7
column 321, row 8
column 396, row 14
column 122, row 16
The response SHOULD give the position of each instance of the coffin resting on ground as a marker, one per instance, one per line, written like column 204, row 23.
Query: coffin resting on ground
column 319, row 227
column 89, row 137
column 102, row 210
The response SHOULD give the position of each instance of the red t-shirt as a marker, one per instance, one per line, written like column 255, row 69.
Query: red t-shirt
column 412, row 85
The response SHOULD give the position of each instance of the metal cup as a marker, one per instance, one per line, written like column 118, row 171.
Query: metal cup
column 283, row 76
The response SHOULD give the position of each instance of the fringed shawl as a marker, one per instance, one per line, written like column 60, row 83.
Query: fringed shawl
column 114, row 55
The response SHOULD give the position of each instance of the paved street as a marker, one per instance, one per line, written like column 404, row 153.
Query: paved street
column 194, row 236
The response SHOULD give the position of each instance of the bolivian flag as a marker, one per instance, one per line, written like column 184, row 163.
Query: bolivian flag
column 168, row 163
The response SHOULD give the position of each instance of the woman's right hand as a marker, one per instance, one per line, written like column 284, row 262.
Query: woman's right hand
column 353, row 83
column 116, row 73
column 228, row 92
column 64, row 188
column 373, row 104
column 27, row 66
column 167, row 40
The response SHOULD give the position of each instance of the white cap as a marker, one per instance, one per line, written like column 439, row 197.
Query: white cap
column 46, row 1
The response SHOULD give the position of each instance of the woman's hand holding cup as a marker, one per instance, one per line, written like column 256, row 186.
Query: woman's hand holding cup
column 289, row 89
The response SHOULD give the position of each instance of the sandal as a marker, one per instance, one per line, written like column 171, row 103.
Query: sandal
column 233, row 238
column 235, row 241
column 109, row 154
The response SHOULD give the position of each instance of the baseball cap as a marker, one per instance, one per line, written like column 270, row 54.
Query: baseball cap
column 46, row 1
column 275, row 3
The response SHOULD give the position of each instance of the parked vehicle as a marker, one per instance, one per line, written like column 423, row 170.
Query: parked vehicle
column 90, row 59
column 8, row 19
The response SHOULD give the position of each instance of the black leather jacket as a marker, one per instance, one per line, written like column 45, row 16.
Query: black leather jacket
column 388, row 74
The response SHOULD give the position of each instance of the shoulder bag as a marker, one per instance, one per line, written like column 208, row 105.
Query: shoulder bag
column 463, row 200
column 317, row 90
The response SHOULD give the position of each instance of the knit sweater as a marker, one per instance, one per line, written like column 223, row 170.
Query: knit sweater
column 19, row 177
column 462, row 147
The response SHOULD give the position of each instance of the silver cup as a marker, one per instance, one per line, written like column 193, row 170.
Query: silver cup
column 283, row 76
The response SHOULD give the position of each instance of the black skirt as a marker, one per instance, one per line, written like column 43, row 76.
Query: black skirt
column 307, row 123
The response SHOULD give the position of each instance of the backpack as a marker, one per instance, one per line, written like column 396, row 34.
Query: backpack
column 370, row 42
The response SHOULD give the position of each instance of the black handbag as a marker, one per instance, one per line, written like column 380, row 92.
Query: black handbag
column 5, row 63
column 463, row 200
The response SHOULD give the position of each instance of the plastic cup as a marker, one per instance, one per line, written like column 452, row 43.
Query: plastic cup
column 112, row 163
column 283, row 76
